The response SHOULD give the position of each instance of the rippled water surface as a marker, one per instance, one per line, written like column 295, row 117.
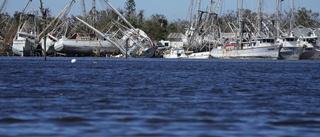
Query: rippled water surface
column 158, row 97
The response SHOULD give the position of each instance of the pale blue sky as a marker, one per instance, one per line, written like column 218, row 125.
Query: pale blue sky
column 172, row 9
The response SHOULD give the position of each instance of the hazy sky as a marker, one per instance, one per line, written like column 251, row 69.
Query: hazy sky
column 172, row 9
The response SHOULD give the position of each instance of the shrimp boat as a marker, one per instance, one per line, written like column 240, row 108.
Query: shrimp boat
column 24, row 41
column 248, row 43
column 181, row 53
column 310, row 47
column 289, row 48
column 23, row 44
column 261, row 48
column 299, row 47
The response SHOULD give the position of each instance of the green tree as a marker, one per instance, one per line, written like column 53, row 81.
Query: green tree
column 130, row 11
column 306, row 18
column 156, row 27
column 179, row 26
column 140, row 17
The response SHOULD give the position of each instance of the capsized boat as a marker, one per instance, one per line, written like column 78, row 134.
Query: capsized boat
column 83, row 46
column 128, row 41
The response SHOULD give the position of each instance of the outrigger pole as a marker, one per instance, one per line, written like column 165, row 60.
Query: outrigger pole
column 120, row 15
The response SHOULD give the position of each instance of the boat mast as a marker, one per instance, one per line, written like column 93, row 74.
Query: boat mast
column 292, row 15
column 240, row 7
column 61, row 14
column 197, row 15
column 278, row 19
column 260, row 16
column 93, row 12
column 23, row 10
column 83, row 8
column 44, row 17
column 207, row 24
column 26, row 6
column 191, row 13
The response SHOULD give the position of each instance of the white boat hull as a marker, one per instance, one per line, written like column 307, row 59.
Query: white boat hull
column 175, row 53
column 199, row 55
column 49, row 45
column 84, row 47
column 23, row 47
column 249, row 53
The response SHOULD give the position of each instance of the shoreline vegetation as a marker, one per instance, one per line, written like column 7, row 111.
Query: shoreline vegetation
column 157, row 26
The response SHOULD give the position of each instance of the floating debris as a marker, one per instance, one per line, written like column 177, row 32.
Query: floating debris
column 73, row 61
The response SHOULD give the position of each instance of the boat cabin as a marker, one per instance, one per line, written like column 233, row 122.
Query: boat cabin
column 266, row 40
column 290, row 39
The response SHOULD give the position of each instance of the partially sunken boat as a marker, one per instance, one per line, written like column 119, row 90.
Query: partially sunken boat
column 24, row 42
column 81, row 45
column 128, row 41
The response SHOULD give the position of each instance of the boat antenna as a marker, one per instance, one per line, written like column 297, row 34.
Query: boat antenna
column 260, row 16
column 83, row 8
column 240, row 8
column 278, row 18
column 292, row 15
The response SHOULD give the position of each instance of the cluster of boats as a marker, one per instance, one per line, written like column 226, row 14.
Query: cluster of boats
column 123, row 39
column 202, row 40
column 249, row 42
column 288, row 47
column 303, row 46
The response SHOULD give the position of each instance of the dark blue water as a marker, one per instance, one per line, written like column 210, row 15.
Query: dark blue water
column 158, row 97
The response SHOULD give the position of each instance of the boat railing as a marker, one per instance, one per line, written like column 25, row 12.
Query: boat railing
column 124, row 33
column 118, row 44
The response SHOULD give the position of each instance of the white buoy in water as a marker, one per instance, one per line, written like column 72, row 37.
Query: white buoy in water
column 73, row 61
